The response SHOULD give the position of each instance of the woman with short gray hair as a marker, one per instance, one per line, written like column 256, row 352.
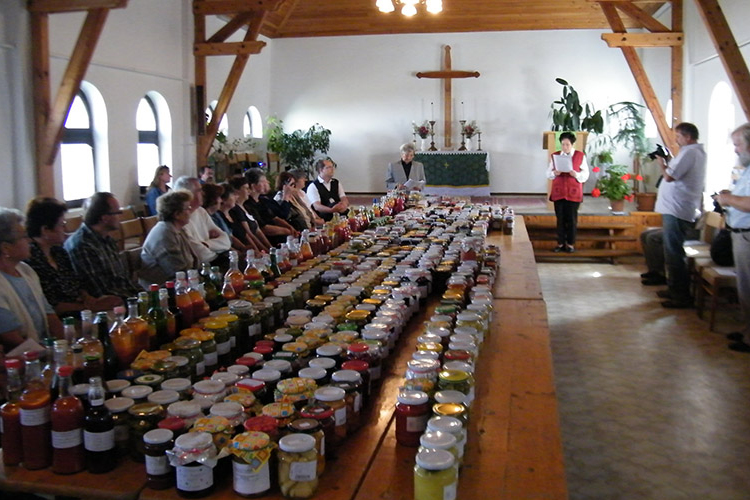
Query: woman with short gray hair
column 24, row 311
column 167, row 248
column 406, row 174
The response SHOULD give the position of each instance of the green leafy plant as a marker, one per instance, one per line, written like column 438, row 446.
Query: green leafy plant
column 224, row 149
column 569, row 114
column 600, row 151
column 631, row 131
column 614, row 183
column 297, row 149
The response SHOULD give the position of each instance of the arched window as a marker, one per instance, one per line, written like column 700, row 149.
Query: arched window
column 720, row 151
column 223, row 124
column 154, row 126
column 252, row 125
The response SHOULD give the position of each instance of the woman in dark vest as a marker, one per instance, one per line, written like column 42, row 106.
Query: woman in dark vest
column 325, row 193
column 567, row 189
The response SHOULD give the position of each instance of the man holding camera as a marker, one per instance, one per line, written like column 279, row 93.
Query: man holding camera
column 679, row 202
column 737, row 206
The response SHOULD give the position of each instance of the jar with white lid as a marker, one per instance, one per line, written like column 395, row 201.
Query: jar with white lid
column 412, row 412
column 227, row 378
column 328, row 364
column 119, row 407
column 435, row 475
column 298, row 462
column 316, row 373
column 450, row 425
column 459, row 365
column 115, row 387
column 208, row 392
column 439, row 441
column 239, row 370
column 181, row 385
column 194, row 459
column 234, row 412
column 164, row 397
column 270, row 377
column 283, row 366
column 335, row 397
column 138, row 393
column 188, row 411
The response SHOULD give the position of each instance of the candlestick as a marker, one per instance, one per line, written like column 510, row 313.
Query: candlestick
column 463, row 135
column 479, row 141
column 432, row 136
column 432, row 111
column 463, row 111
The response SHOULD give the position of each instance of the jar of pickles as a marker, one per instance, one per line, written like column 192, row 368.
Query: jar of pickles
column 119, row 407
column 335, row 398
column 208, row 348
column 194, row 459
column 313, row 428
column 143, row 418
column 233, row 327
column 456, row 380
column 435, row 475
column 249, row 324
column 183, row 366
column 298, row 461
column 222, row 341
column 251, row 472
column 191, row 349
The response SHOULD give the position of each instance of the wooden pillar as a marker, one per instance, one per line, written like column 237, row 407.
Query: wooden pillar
column 201, row 138
column 677, row 65
column 45, row 179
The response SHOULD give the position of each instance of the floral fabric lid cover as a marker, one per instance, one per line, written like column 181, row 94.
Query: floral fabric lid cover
column 296, row 385
column 211, row 425
column 246, row 399
column 254, row 448
column 279, row 410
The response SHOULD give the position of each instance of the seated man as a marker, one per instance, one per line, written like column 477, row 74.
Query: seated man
column 206, row 175
column 94, row 254
column 274, row 227
column 209, row 242
column 326, row 195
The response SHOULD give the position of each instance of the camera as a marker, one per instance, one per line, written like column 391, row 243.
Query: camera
column 717, row 206
column 661, row 152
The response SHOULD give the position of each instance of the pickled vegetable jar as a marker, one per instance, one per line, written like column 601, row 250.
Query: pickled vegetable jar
column 298, row 462
column 435, row 475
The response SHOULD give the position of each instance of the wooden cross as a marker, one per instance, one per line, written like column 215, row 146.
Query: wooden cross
column 447, row 75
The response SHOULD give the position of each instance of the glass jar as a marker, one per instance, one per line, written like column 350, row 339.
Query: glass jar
column 353, row 398
column 456, row 380
column 332, row 351
column 450, row 425
column 174, row 424
column 363, row 368
column 164, row 397
column 208, row 348
column 220, row 331
column 250, row 405
column 283, row 366
column 249, row 324
column 219, row 428
column 295, row 390
column 298, row 460
column 159, row 473
column 317, row 374
column 226, row 378
column 435, row 475
column 191, row 349
column 188, row 411
column 194, row 459
column 264, row 424
column 283, row 413
column 183, row 366
column 439, row 441
column 251, row 471
column 165, row 369
column 277, row 304
column 421, row 375
column 313, row 428
column 150, row 379
column 270, row 378
column 451, row 410
column 180, row 385
column 254, row 386
column 412, row 413
column 119, row 407
column 143, row 418
column 324, row 415
column 232, row 411
column 115, row 387
column 265, row 316
column 335, row 398
column 469, row 319
column 233, row 327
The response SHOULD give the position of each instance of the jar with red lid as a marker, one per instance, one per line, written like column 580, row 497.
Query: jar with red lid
column 247, row 361
column 254, row 386
column 175, row 424
column 362, row 352
column 263, row 423
column 412, row 412
column 265, row 350
column 363, row 368
column 351, row 382
column 324, row 415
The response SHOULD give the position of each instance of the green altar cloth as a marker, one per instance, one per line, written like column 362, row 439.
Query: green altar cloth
column 456, row 173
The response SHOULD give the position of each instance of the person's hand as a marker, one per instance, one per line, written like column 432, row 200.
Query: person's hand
column 339, row 207
column 556, row 172
column 103, row 303
column 214, row 233
column 723, row 197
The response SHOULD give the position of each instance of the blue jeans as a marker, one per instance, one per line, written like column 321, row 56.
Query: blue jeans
column 675, row 234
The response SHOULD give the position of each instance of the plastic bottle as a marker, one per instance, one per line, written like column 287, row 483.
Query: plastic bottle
column 123, row 340
column 99, row 431
column 68, row 453
column 10, row 413
column 35, row 417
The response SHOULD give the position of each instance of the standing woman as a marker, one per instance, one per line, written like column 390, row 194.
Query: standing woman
column 157, row 187
column 567, row 191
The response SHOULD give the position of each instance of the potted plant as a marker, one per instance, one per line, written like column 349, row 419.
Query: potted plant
column 613, row 184
column 569, row 115
column 225, row 154
column 297, row 149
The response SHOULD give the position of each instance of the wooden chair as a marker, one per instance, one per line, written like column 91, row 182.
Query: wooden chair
column 128, row 213
column 133, row 261
column 713, row 281
column 273, row 161
column 132, row 234
column 698, row 252
column 148, row 224
column 73, row 223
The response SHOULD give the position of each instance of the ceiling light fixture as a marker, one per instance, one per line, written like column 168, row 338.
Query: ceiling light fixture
column 409, row 7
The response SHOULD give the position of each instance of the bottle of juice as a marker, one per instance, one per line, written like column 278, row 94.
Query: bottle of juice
column 35, row 417
column 235, row 276
column 158, row 318
column 99, row 431
column 183, row 301
column 60, row 355
column 138, row 326
column 200, row 307
column 252, row 273
column 68, row 454
column 171, row 319
column 123, row 340
column 228, row 291
column 285, row 265
column 306, row 251
column 292, row 246
column 10, row 413
column 176, row 312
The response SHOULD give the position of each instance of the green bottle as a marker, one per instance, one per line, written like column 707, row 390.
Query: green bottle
column 158, row 318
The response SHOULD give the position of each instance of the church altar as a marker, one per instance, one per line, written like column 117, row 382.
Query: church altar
column 456, row 173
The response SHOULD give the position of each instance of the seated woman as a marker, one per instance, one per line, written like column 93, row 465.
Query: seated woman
column 157, row 187
column 24, row 312
column 167, row 248
column 242, row 190
column 286, row 191
column 228, row 202
column 212, row 194
column 45, row 225
column 405, row 173
column 302, row 202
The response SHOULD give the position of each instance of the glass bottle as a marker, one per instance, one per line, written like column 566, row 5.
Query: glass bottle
column 200, row 307
column 35, row 417
column 138, row 326
column 87, row 326
column 435, row 475
column 143, row 305
column 77, row 363
column 59, row 355
column 306, row 251
column 109, row 359
column 69, row 330
column 99, row 431
column 171, row 319
column 157, row 318
column 183, row 301
column 235, row 276
column 211, row 292
column 172, row 304
column 227, row 290
column 292, row 246
column 68, row 453
column 274, row 269
column 216, row 277
column 48, row 372
column 123, row 340
column 282, row 256
column 252, row 273
column 10, row 413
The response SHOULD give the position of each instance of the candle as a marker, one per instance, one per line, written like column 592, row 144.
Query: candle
column 463, row 111
column 432, row 110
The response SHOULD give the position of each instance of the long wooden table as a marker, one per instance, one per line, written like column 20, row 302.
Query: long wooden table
column 514, row 449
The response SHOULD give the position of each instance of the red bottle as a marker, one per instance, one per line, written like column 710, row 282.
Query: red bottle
column 35, row 417
column 10, row 413
column 68, row 453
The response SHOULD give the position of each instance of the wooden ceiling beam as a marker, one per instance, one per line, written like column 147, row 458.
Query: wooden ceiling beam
column 55, row 6
column 643, row 17
column 226, row 7
column 729, row 53
column 643, row 39
column 229, row 29
column 228, row 48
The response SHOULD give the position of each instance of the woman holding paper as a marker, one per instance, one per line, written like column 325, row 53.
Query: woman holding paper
column 406, row 173
column 568, row 170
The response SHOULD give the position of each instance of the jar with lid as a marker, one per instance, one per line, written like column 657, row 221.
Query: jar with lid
column 459, row 365
column 119, row 407
column 219, row 428
column 335, row 398
column 465, row 346
column 208, row 392
column 430, row 355
column 264, row 350
column 287, row 301
column 180, row 385
column 220, row 331
column 270, row 378
column 143, row 418
column 332, row 351
column 242, row 370
column 454, row 410
column 353, row 398
column 249, row 324
column 250, row 405
column 422, row 375
column 283, row 413
column 194, row 459
column 295, row 390
column 183, row 366
column 254, row 386
column 208, row 348
column 165, row 369
column 452, row 426
column 454, row 397
column 188, row 411
column 412, row 413
column 313, row 428
column 191, row 349
column 233, row 328
column 298, row 461
column 278, row 313
column 164, row 397
column 316, row 374
column 439, row 441
column 328, row 364
column 251, row 457
column 265, row 424
column 150, row 379
column 226, row 378
column 362, row 352
column 159, row 472
column 138, row 393
column 471, row 320
column 380, row 336
column 435, row 475
column 232, row 411
column 115, row 387
column 266, row 316
column 323, row 414
column 456, row 380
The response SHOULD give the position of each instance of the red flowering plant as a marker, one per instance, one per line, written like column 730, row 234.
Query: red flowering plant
column 614, row 183
column 422, row 130
column 470, row 129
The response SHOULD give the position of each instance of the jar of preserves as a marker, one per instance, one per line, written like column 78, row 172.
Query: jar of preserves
column 115, row 387
column 179, row 385
column 219, row 428
column 456, row 380
column 335, row 398
column 363, row 368
column 328, row 364
column 232, row 411
column 254, row 386
column 249, row 324
column 332, row 351
column 174, row 424
column 435, row 475
column 251, row 472
column 226, row 378
column 143, row 418
column 278, row 313
column 439, row 441
column 353, row 397
column 313, row 428
column 265, row 424
column 194, row 459
column 233, row 328
column 298, row 461
column 250, row 405
column 188, row 411
column 454, row 410
column 295, row 390
column 220, row 331
column 164, row 397
column 165, row 369
column 150, row 379
column 283, row 413
column 208, row 392
column 266, row 316
column 452, row 426
column 208, row 348
column 119, row 407
column 459, row 365
column 283, row 366
column 191, row 349
column 324, row 415
column 159, row 473
column 241, row 370
column 469, row 319
column 316, row 374
column 412, row 413
column 183, row 366
column 270, row 378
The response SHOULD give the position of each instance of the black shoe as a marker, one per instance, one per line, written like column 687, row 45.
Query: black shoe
column 558, row 248
column 650, row 274
column 675, row 304
column 663, row 294
column 654, row 281
column 740, row 347
column 735, row 336
column 570, row 249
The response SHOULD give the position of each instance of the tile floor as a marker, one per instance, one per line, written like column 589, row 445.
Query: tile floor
column 652, row 405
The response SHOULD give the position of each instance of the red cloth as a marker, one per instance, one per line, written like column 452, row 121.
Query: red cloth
column 565, row 186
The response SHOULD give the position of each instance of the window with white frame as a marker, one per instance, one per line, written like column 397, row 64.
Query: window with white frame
column 223, row 124
column 721, row 158
column 154, row 126
column 252, row 125
column 77, row 152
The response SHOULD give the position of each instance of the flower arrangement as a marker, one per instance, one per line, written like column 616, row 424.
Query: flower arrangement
column 614, row 183
column 471, row 128
column 422, row 130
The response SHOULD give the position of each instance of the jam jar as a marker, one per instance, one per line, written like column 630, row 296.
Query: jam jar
column 295, row 390
column 412, row 413
column 450, row 425
column 363, row 368
column 188, row 411
column 164, row 397
column 180, row 385
column 208, row 392
column 317, row 374
column 251, row 471
column 313, row 428
column 222, row 339
column 119, row 407
column 298, row 461
column 270, row 378
column 335, row 398
column 324, row 415
column 219, row 428
column 159, row 473
column 282, row 412
column 138, row 393
column 194, row 459
column 439, row 441
column 435, row 475
column 143, row 418
column 232, row 411
column 191, row 349
column 254, row 386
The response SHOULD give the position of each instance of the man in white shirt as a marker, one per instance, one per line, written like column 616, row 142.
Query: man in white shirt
column 325, row 193
column 209, row 242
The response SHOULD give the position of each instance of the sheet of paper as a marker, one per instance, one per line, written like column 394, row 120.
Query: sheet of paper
column 563, row 163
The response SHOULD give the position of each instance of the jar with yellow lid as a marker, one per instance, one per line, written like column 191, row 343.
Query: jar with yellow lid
column 295, row 390
column 248, row 324
column 430, row 346
column 219, row 428
column 251, row 456
column 282, row 412
column 233, row 323
column 435, row 475
column 455, row 380
column 298, row 462
column 208, row 348
column 191, row 349
column 143, row 418
column 358, row 316
column 343, row 338
column 455, row 410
